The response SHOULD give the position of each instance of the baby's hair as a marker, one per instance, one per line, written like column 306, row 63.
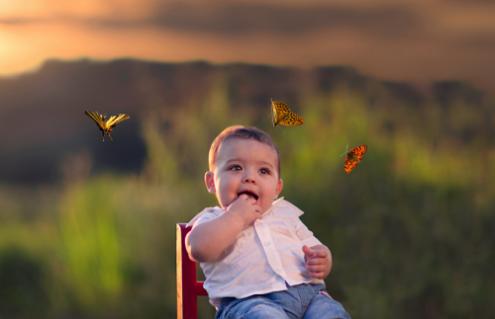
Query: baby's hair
column 239, row 131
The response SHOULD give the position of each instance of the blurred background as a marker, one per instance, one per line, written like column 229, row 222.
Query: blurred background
column 87, row 229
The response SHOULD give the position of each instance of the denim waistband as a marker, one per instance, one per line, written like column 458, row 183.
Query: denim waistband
column 304, row 286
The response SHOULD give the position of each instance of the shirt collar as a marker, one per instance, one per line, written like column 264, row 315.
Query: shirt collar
column 280, row 205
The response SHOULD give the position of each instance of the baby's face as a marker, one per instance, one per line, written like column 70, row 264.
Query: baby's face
column 245, row 166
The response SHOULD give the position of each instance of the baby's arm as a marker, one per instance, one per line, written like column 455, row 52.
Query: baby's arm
column 208, row 241
column 317, row 257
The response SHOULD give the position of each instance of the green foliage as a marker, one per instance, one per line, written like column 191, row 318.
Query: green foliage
column 22, row 284
column 90, row 247
column 411, row 229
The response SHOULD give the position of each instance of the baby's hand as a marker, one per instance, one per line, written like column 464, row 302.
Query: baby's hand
column 246, row 208
column 318, row 261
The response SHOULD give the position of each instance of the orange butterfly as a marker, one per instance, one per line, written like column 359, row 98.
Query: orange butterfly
column 353, row 157
column 282, row 115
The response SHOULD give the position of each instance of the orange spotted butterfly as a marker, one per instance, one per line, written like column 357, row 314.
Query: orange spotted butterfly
column 106, row 124
column 282, row 115
column 353, row 157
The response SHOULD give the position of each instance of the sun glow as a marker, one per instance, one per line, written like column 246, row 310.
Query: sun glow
column 9, row 9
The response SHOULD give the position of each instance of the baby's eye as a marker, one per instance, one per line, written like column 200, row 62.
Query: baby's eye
column 234, row 167
column 265, row 171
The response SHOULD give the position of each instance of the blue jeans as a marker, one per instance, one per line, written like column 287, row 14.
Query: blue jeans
column 303, row 301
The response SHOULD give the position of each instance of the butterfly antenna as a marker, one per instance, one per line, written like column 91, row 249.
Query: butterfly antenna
column 346, row 150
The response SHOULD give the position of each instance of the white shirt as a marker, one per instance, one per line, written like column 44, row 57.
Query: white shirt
column 265, row 256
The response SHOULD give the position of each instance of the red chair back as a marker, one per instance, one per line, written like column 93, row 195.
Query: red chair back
column 188, row 288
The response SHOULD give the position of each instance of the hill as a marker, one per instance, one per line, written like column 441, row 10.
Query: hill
column 43, row 122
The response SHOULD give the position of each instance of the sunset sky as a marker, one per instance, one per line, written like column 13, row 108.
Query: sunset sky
column 409, row 40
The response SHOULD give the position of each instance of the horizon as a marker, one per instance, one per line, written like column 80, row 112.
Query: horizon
column 421, row 87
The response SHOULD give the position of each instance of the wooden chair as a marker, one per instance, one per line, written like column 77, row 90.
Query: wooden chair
column 188, row 288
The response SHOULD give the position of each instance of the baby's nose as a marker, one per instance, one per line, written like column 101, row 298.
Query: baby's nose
column 248, row 180
column 248, row 177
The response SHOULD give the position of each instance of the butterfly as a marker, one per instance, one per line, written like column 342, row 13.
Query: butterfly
column 106, row 124
column 353, row 157
column 281, row 114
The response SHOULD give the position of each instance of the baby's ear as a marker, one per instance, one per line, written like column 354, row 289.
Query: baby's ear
column 210, row 182
column 280, row 186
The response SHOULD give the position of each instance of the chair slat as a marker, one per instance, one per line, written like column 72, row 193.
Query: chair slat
column 188, row 288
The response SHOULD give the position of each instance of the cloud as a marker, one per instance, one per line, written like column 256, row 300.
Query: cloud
column 19, row 21
column 233, row 19
column 474, row 41
column 470, row 2
column 237, row 19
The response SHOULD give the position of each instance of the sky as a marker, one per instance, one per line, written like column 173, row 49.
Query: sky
column 417, row 41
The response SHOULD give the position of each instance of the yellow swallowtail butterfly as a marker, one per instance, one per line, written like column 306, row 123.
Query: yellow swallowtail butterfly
column 282, row 115
column 106, row 124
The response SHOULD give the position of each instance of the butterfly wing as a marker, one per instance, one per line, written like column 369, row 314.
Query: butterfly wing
column 98, row 118
column 353, row 157
column 282, row 115
column 279, row 110
column 292, row 119
column 116, row 119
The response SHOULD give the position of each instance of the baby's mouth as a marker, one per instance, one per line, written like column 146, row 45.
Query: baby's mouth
column 248, row 193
